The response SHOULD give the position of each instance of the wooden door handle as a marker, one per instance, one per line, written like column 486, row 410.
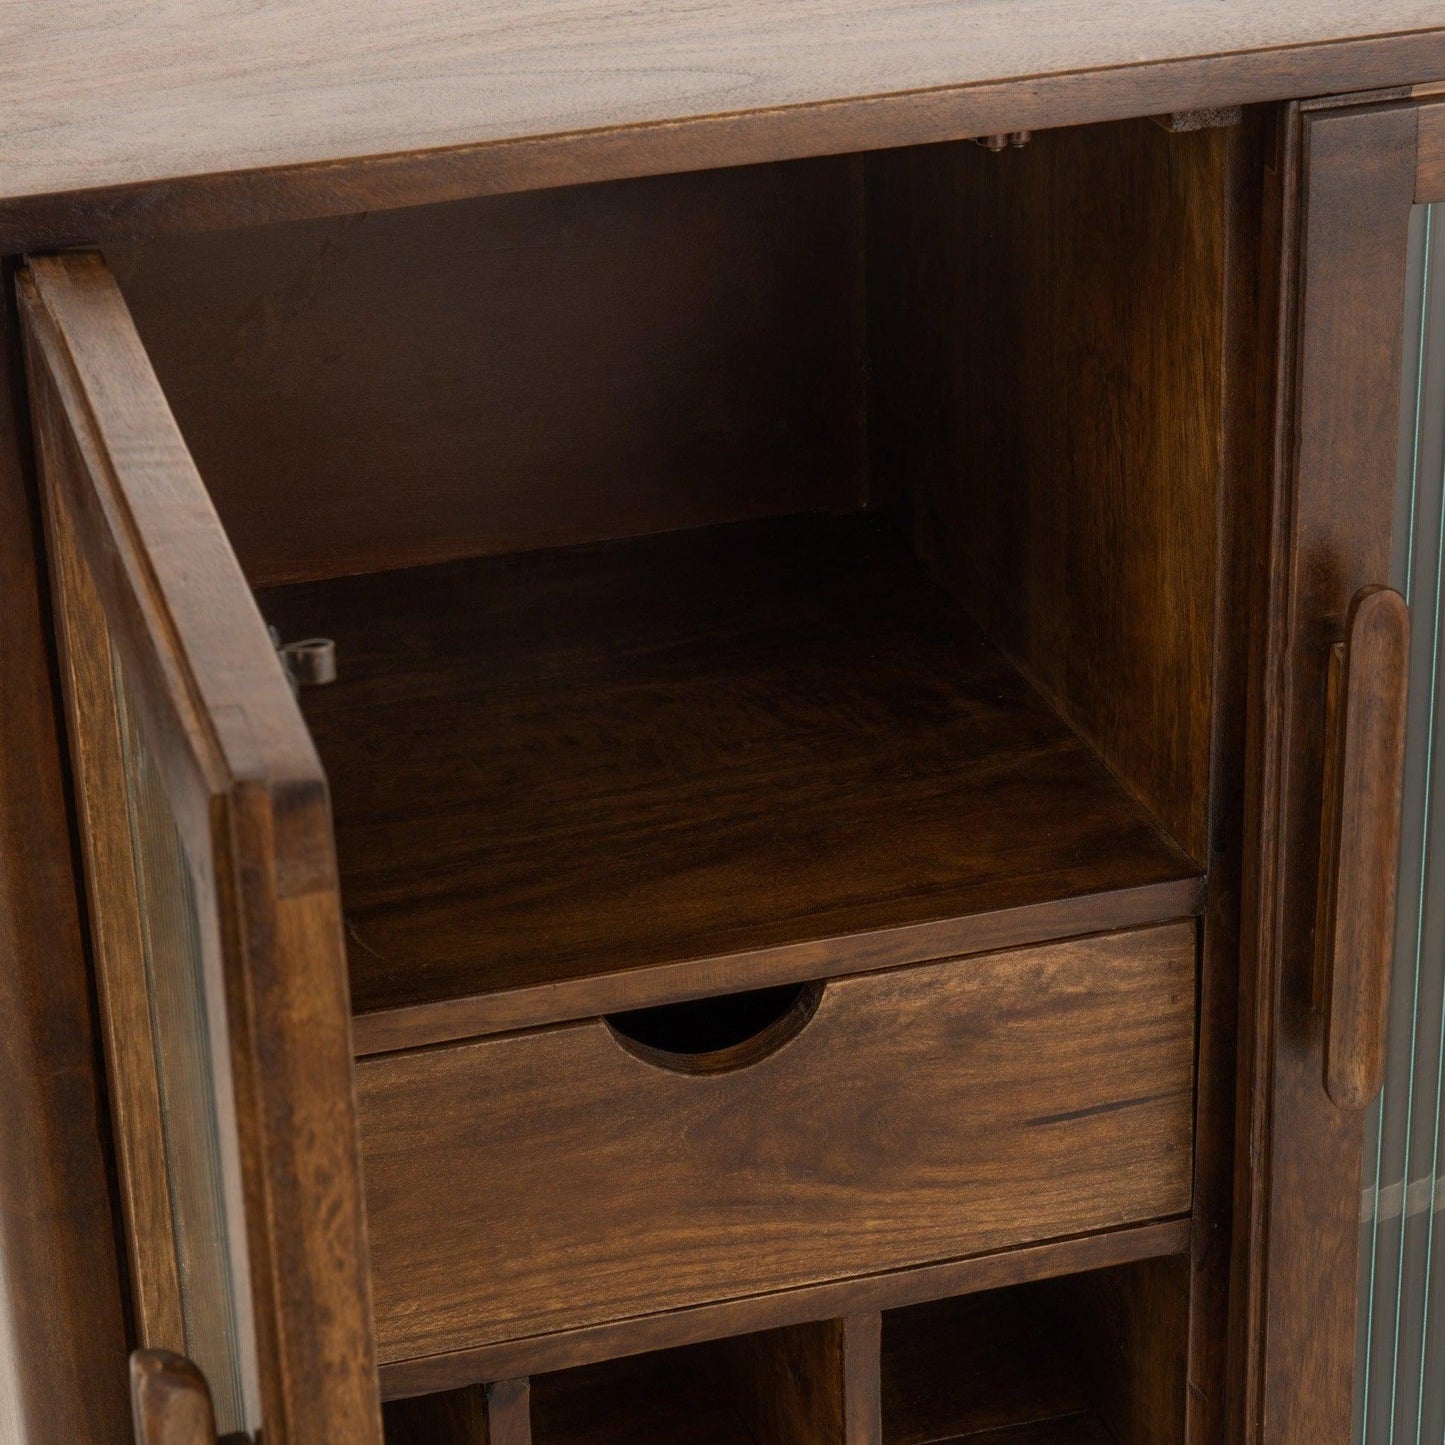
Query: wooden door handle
column 1360, row 841
column 171, row 1402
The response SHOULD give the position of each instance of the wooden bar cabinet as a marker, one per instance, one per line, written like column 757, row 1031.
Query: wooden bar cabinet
column 703, row 726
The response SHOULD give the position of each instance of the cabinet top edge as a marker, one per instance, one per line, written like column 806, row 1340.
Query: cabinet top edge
column 121, row 118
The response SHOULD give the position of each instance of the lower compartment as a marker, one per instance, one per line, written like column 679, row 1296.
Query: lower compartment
column 1084, row 1360
column 555, row 1180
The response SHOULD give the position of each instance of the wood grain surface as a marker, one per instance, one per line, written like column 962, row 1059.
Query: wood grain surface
column 170, row 1402
column 546, row 1180
column 983, row 1368
column 243, row 795
column 587, row 1345
column 975, row 1366
column 688, row 748
column 63, row 1327
column 1360, row 841
column 1124, row 1331
column 118, row 929
column 100, row 96
column 1046, row 329
column 445, row 1417
column 681, row 1396
column 1430, row 165
column 1251, row 216
column 810, row 1384
column 1348, row 178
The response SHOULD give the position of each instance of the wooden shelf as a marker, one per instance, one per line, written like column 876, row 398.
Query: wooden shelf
column 567, row 783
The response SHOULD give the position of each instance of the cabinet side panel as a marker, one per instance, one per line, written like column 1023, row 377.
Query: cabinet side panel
column 1046, row 330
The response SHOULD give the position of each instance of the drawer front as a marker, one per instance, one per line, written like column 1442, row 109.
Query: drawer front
column 546, row 1180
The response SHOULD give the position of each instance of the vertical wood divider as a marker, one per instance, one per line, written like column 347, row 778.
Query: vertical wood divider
column 498, row 1414
column 811, row 1384
column 509, row 1413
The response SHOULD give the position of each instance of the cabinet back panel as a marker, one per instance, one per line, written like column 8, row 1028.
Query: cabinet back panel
column 517, row 372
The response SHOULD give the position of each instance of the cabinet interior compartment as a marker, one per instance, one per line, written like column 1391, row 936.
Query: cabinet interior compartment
column 740, row 580
column 1092, row 1359
column 736, row 572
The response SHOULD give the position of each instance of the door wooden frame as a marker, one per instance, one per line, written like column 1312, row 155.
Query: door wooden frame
column 149, row 592
column 1350, row 175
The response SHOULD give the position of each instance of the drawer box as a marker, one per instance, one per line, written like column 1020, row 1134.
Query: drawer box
column 551, row 1179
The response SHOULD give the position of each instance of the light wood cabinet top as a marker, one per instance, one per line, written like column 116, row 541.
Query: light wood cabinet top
column 109, row 93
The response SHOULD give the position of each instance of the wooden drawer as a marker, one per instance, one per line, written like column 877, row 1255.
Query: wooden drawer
column 550, row 1179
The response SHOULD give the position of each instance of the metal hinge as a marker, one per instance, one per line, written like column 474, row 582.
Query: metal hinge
column 309, row 663
column 1005, row 139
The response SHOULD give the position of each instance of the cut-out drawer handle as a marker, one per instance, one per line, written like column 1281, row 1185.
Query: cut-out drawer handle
column 720, row 1034
column 1360, row 841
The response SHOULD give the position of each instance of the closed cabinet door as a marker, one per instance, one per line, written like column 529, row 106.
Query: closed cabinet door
column 213, row 901
column 1330, row 733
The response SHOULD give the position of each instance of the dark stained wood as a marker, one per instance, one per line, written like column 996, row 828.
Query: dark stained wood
column 680, row 1396
column 760, row 1312
column 989, row 1368
column 862, row 1382
column 118, row 938
column 1369, row 677
column 247, row 804
column 1047, row 334
column 509, row 1412
column 498, row 1414
column 971, row 1366
column 921, row 1115
column 1430, row 164
column 978, row 1369
column 170, row 1401
column 1072, row 1430
column 809, row 1384
column 328, row 115
column 63, row 1341
column 1125, row 1329
column 1092, row 499
column 450, row 1417
column 418, row 1025
column 1297, row 1211
column 530, row 371
column 1251, row 217
column 737, row 749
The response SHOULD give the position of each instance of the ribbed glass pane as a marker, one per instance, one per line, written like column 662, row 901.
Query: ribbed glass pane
column 183, row 1026
column 1401, row 1368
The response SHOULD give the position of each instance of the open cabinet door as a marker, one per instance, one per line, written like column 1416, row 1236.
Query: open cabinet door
column 213, row 899
column 1328, row 751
